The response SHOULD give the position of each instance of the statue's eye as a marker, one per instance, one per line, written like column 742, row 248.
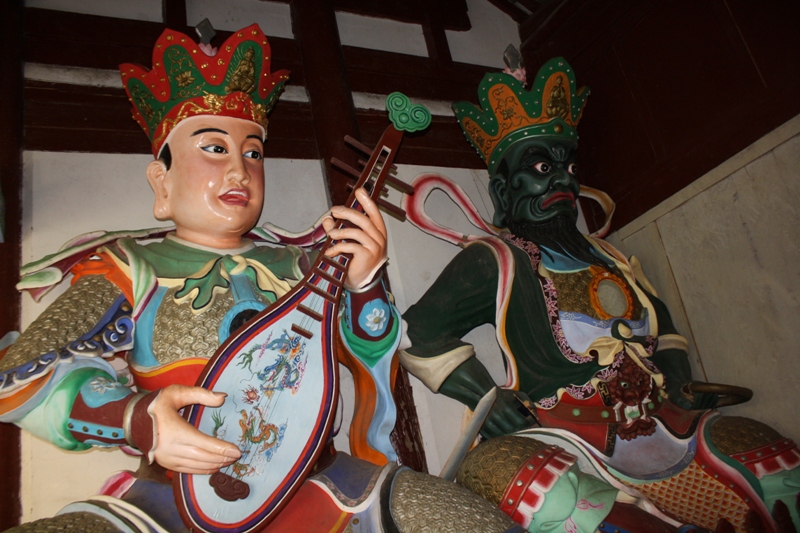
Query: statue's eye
column 214, row 149
column 542, row 167
column 254, row 154
column 572, row 169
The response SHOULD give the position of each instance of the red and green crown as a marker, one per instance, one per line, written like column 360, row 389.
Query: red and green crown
column 185, row 82
column 552, row 107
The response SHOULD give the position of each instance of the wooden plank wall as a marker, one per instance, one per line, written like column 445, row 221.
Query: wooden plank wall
column 61, row 117
column 678, row 86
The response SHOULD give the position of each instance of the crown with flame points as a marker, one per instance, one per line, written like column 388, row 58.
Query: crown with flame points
column 552, row 107
column 186, row 82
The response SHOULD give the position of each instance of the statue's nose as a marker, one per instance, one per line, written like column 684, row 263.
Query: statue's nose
column 561, row 177
column 238, row 171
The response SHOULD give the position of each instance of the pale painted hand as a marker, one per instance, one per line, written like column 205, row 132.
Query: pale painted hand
column 209, row 50
column 519, row 74
column 181, row 447
column 366, row 241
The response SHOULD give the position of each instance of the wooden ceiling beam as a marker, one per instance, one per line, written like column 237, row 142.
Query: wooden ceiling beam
column 511, row 9
column 71, row 39
column 436, row 41
column 62, row 117
column 375, row 71
column 332, row 109
column 78, row 40
column 76, row 118
column 451, row 13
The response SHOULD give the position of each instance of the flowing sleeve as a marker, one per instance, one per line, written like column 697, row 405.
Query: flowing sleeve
column 55, row 376
column 462, row 298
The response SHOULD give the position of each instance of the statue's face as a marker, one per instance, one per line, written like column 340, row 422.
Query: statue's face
column 537, row 183
column 214, row 189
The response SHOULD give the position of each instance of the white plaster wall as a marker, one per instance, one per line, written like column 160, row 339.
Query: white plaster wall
column 492, row 31
column 381, row 34
column 139, row 10
column 273, row 17
column 416, row 259
column 723, row 253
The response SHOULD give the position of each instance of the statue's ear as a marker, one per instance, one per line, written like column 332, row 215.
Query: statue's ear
column 499, row 194
column 157, row 177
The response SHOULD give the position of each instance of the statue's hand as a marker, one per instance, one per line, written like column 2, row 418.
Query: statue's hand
column 702, row 395
column 690, row 400
column 508, row 414
column 699, row 400
column 178, row 445
column 366, row 241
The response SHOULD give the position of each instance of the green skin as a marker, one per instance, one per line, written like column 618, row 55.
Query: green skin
column 533, row 183
column 537, row 170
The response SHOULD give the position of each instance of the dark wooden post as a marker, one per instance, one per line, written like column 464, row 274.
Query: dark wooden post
column 174, row 13
column 334, row 116
column 11, row 102
column 436, row 39
column 332, row 109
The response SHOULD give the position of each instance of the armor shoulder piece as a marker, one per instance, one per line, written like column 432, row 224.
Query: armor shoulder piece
column 40, row 276
column 91, row 319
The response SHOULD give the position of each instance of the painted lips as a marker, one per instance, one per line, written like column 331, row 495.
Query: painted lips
column 557, row 197
column 235, row 197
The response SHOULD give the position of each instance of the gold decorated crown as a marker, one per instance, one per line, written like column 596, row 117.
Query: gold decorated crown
column 186, row 82
column 552, row 107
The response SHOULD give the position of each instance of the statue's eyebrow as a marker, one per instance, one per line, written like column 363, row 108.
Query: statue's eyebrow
column 207, row 130
column 557, row 152
column 534, row 151
column 256, row 137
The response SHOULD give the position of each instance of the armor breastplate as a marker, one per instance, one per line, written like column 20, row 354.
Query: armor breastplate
column 176, row 331
column 598, row 293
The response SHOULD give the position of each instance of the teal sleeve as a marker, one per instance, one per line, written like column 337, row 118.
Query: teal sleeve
column 577, row 502
column 369, row 351
column 376, row 357
column 49, row 419
column 461, row 299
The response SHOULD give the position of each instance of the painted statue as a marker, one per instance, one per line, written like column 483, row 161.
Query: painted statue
column 590, row 352
column 163, row 306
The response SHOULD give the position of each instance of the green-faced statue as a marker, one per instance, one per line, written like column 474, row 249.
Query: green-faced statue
column 593, row 362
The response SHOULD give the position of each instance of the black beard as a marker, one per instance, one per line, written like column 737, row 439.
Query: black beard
column 559, row 235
